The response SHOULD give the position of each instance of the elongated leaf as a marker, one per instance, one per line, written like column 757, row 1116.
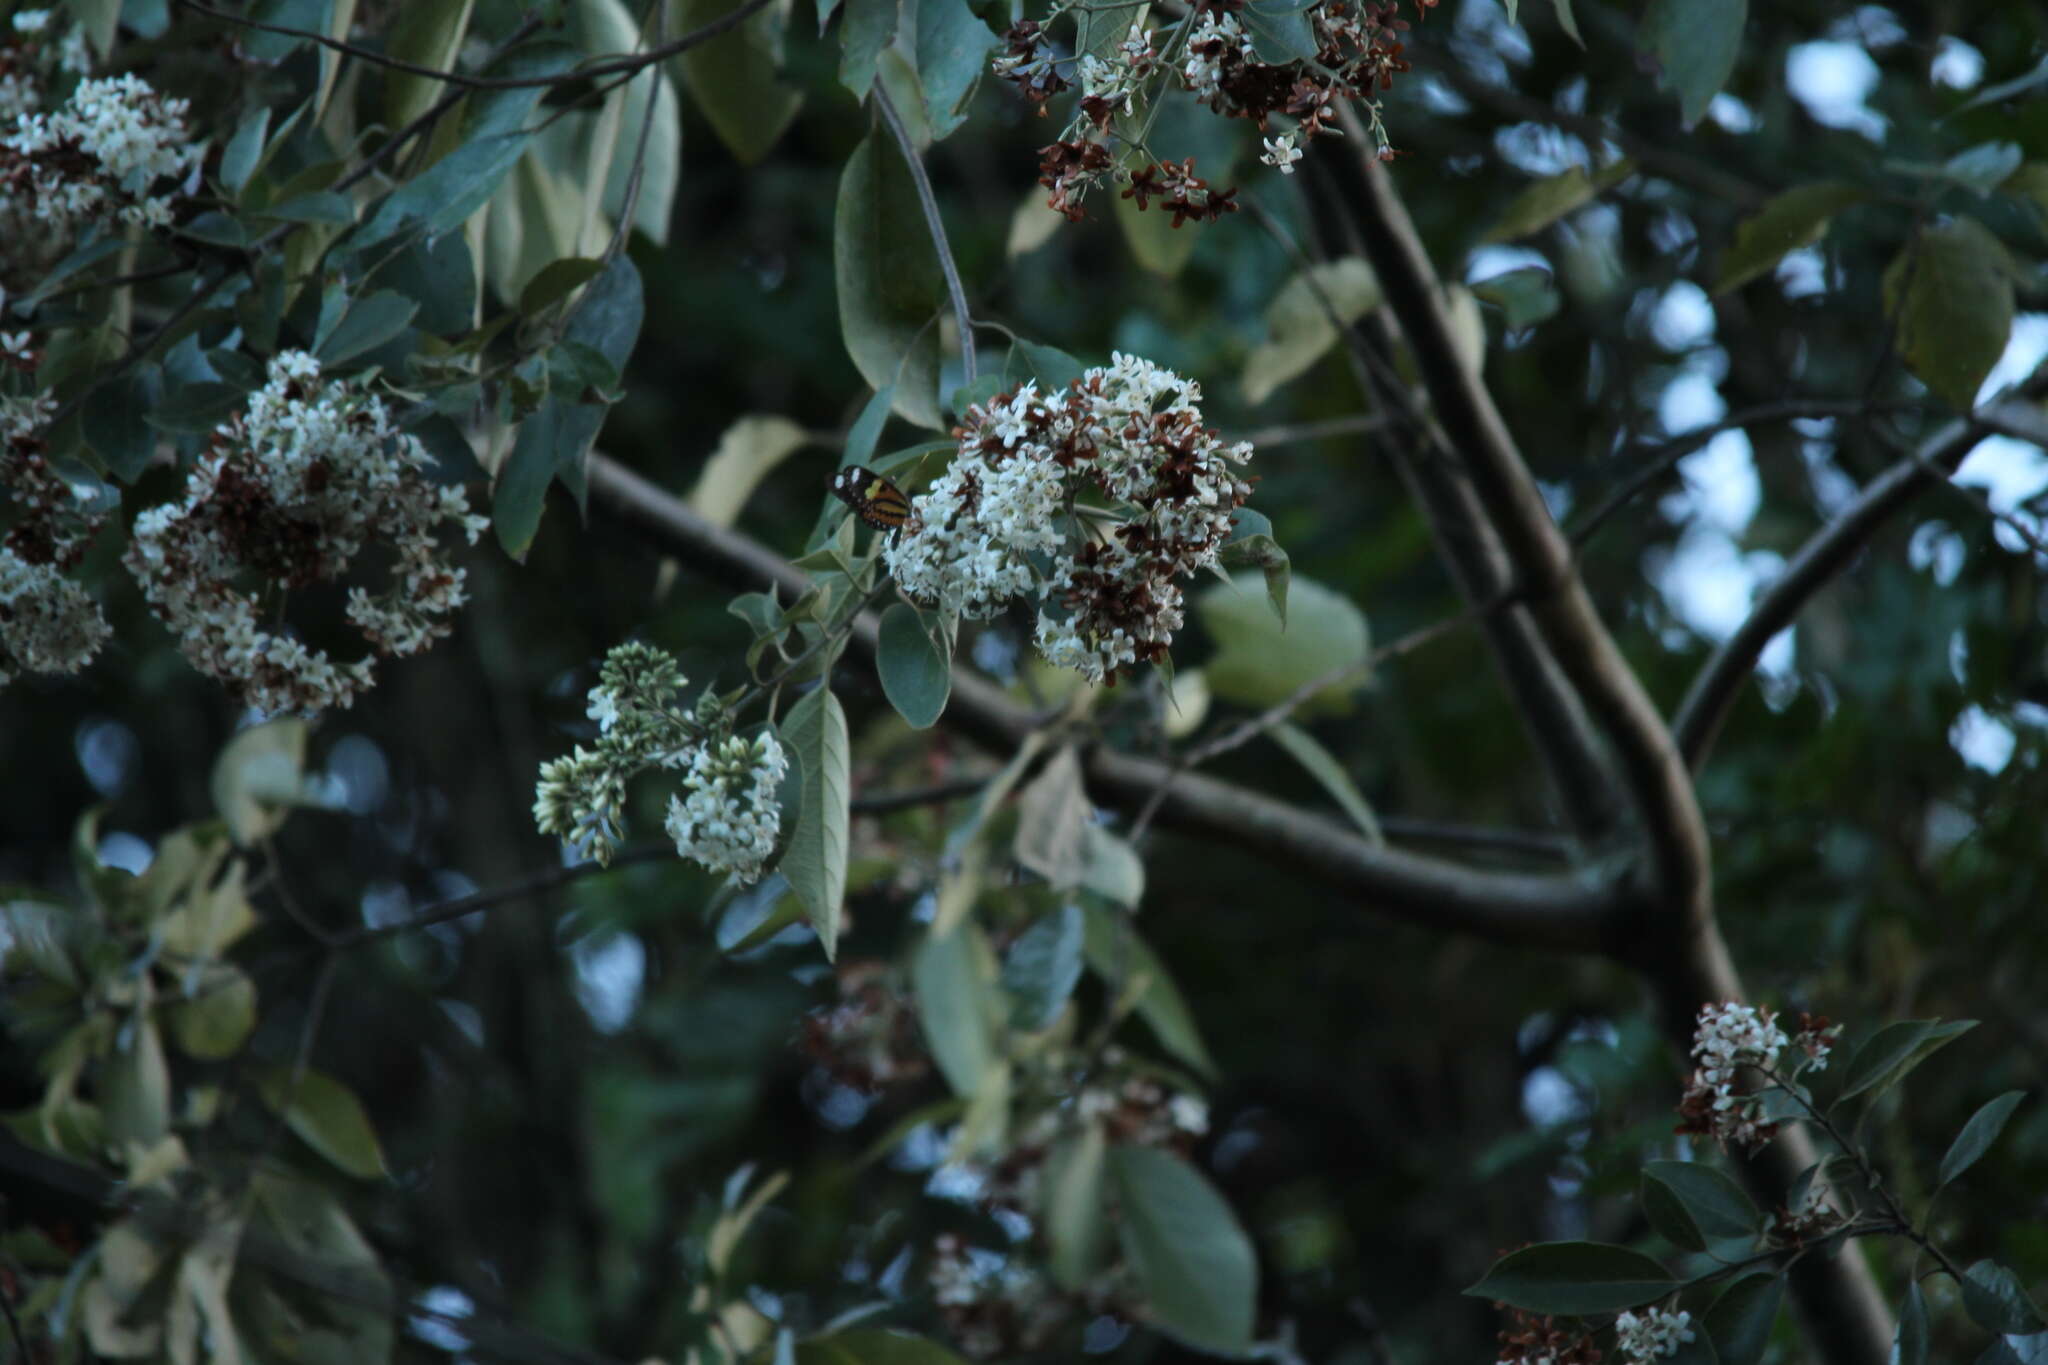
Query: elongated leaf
column 1193, row 1261
column 734, row 79
column 1909, row 1346
column 1076, row 1222
column 949, row 48
column 1891, row 1052
column 1323, row 766
column 1740, row 1320
column 327, row 1116
column 238, row 159
column 370, row 322
column 1552, row 197
column 1695, row 42
column 1996, row 1301
column 955, row 1003
column 1155, row 243
column 218, row 1017
column 873, row 1346
column 135, row 1086
column 1042, row 967
column 1299, row 326
column 889, row 283
column 1261, row 662
column 1111, row 868
column 1568, row 21
column 1978, row 1134
column 1120, row 957
column 2025, row 83
column 916, row 673
column 1951, row 292
column 1053, row 817
column 1715, row 1206
column 1525, row 296
column 747, row 452
column 1574, row 1278
column 428, row 33
column 815, row 864
column 1799, row 217
column 522, row 487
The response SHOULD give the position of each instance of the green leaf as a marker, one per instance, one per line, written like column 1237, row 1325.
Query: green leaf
column 1575, row 1278
column 43, row 930
column 1193, row 1261
column 1951, row 292
column 916, row 673
column 1280, row 32
column 522, row 487
column 1799, row 217
column 889, row 284
column 1714, row 1206
column 1053, row 368
column 194, row 409
column 219, row 1014
column 814, row 731
column 1053, row 814
column 1042, row 967
column 1252, row 543
column 1076, row 1220
column 557, row 280
column 135, row 1086
column 1569, row 22
column 733, row 78
column 873, row 1346
column 1977, row 1136
column 427, row 33
column 1323, row 766
column 1909, row 1346
column 1695, row 43
column 2028, row 1349
column 439, row 275
column 259, row 777
column 1997, row 1302
column 1985, row 166
column 1298, row 323
column 238, row 159
column 954, row 1004
column 1740, row 1320
column 116, row 423
column 1554, row 196
column 2022, row 84
column 320, row 206
column 1111, row 868
column 1261, row 662
column 370, row 321
column 327, row 1116
column 1155, row 243
column 1117, row 955
column 867, row 29
column 1525, row 297
column 950, row 48
column 748, row 451
column 1888, row 1055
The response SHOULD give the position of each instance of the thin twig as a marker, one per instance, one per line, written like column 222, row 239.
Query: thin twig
column 963, row 321
column 612, row 66
column 1359, row 424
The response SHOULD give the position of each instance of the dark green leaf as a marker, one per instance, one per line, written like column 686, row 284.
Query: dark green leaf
column 863, row 33
column 1978, row 1134
column 238, row 158
column 2030, row 1349
column 1120, row 958
column 873, row 1346
column 814, row 731
column 1997, row 1302
column 216, row 229
column 1525, row 297
column 733, row 78
column 1909, row 1346
column 917, row 675
column 1797, row 218
column 1951, row 291
column 1668, row 1216
column 522, row 486
column 426, row 33
column 1053, row 368
column 369, row 322
column 952, row 48
column 1042, row 967
column 1281, row 33
column 1715, row 1205
column 1695, row 42
column 1891, row 1052
column 116, row 423
column 327, row 1116
column 1575, row 1278
column 1740, row 1320
column 556, row 280
column 889, row 283
column 1323, row 766
column 1076, row 1219
column 439, row 275
column 954, row 1003
column 1193, row 1261
column 321, row 206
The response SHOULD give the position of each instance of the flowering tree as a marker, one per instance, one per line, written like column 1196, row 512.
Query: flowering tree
column 956, row 797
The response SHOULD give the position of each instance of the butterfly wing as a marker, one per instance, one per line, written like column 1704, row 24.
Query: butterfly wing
column 874, row 499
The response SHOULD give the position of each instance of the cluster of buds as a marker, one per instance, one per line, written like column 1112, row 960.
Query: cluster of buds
column 728, row 812
column 1728, row 1038
column 1533, row 1340
column 48, row 623
column 996, row 1307
column 288, row 494
column 1111, row 598
column 1025, row 64
column 869, row 1038
column 104, row 157
column 1654, row 1332
column 1180, row 191
column 1812, row 1216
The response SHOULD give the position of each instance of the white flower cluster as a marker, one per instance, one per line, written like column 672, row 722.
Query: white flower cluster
column 98, row 159
column 1140, row 1112
column 27, row 60
column 1729, row 1037
column 48, row 624
column 1643, row 1337
column 1115, row 85
column 292, row 490
column 1133, row 432
column 1216, row 37
column 727, row 816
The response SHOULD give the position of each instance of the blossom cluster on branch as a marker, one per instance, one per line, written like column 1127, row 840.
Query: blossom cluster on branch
column 727, row 813
column 287, row 496
column 1004, row 521
column 1730, row 1038
column 48, row 623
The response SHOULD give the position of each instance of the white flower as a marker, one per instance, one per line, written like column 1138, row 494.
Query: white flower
column 729, row 815
column 1281, row 152
column 31, row 21
column 98, row 157
column 1644, row 1336
column 48, row 624
column 1190, row 1115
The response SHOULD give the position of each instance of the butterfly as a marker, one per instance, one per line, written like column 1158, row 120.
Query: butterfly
column 874, row 499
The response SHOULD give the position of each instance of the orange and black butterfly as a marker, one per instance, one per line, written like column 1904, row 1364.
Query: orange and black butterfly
column 874, row 499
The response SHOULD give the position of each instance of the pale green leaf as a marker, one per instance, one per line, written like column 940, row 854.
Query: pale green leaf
column 326, row 1115
column 1554, row 196
column 1951, row 291
column 1124, row 961
column 1193, row 1261
column 1323, row 766
column 953, row 976
column 914, row 664
column 1053, row 815
column 1797, row 218
column 1299, row 327
column 734, row 79
column 1076, row 1219
column 814, row 732
column 1260, row 662
column 259, row 777
column 889, row 284
column 747, row 452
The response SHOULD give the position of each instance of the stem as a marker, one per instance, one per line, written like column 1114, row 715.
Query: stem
column 963, row 321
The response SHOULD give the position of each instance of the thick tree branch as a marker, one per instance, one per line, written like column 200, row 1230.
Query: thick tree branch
column 1570, row 912
column 1658, row 784
column 1713, row 692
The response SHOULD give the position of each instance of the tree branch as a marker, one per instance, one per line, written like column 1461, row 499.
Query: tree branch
column 1656, row 779
column 1570, row 912
column 1707, row 702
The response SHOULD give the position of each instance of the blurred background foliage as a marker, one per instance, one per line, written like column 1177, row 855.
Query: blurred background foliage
column 563, row 1086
